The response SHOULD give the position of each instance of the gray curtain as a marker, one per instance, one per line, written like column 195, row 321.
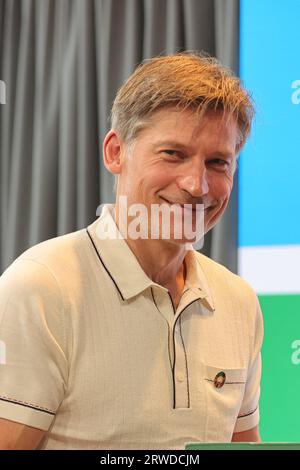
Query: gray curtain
column 62, row 62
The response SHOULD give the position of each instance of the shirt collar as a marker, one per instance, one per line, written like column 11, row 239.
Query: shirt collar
column 196, row 281
column 125, row 270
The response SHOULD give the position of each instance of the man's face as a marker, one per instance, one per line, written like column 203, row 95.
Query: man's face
column 179, row 159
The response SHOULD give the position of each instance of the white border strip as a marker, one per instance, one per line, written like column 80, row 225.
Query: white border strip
column 271, row 269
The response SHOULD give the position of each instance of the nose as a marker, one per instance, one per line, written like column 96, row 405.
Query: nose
column 194, row 180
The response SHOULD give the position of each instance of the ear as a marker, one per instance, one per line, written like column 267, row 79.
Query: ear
column 112, row 152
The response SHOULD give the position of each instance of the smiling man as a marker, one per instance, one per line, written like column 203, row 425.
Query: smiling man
column 135, row 341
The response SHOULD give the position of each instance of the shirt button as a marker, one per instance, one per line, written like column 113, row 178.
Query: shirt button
column 180, row 377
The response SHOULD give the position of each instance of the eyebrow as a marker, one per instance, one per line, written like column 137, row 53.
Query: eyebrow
column 182, row 146
column 224, row 154
column 170, row 143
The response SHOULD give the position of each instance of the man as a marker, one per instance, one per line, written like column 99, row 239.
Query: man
column 119, row 342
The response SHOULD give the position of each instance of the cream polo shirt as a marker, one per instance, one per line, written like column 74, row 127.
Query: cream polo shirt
column 93, row 352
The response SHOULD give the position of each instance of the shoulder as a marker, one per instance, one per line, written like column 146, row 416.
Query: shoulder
column 57, row 251
column 34, row 289
column 40, row 279
column 221, row 279
column 46, row 263
column 232, row 295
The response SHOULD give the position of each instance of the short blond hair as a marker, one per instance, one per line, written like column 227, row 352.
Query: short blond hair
column 187, row 80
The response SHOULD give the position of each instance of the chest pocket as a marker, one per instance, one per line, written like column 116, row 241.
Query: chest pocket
column 224, row 390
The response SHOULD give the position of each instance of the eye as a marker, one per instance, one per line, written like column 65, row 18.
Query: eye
column 219, row 163
column 173, row 153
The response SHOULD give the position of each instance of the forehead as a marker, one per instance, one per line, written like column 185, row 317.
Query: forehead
column 187, row 128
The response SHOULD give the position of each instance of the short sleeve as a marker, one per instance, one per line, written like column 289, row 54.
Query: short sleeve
column 248, row 416
column 33, row 364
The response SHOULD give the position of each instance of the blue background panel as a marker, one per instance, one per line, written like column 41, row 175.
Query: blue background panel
column 269, row 169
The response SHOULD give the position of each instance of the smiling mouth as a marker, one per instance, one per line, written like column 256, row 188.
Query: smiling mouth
column 184, row 205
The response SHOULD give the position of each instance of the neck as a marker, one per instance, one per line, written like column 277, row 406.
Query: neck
column 162, row 261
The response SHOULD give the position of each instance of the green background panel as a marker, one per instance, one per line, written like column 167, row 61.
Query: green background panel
column 280, row 386
column 242, row 446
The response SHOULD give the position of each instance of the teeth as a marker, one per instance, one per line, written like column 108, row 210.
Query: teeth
column 182, row 205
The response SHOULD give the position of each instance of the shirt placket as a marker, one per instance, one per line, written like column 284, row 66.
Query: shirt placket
column 177, row 347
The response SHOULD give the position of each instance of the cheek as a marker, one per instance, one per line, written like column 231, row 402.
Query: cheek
column 158, row 177
column 220, row 187
column 147, row 184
